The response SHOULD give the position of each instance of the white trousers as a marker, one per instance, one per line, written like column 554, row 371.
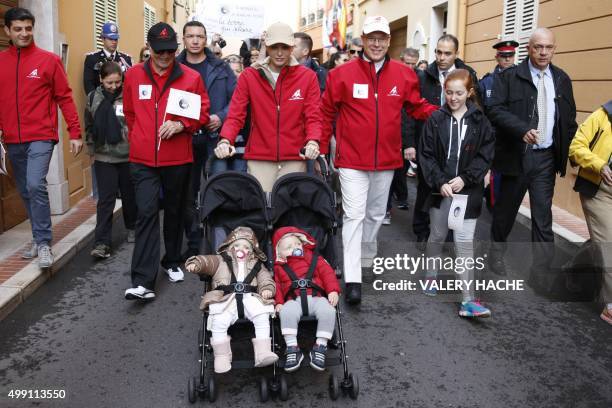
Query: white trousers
column 364, row 201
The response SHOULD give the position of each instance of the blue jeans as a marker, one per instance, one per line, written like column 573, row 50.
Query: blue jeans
column 30, row 166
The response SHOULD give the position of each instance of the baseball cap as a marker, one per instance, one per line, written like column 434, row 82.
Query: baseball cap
column 110, row 31
column 376, row 23
column 507, row 47
column 279, row 33
column 162, row 37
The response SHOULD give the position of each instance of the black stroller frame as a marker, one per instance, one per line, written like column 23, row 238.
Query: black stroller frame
column 292, row 191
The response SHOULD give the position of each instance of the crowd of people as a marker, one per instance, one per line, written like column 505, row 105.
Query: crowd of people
column 377, row 119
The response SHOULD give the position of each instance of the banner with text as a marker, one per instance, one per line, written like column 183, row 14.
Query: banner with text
column 233, row 18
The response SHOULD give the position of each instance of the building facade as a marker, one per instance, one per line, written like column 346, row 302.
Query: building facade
column 70, row 28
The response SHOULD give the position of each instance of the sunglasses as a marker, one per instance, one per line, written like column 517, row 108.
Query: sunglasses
column 353, row 52
column 164, row 52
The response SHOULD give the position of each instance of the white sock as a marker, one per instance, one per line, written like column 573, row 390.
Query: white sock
column 322, row 341
column 290, row 340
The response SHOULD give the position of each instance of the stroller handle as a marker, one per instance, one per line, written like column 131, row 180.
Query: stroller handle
column 322, row 163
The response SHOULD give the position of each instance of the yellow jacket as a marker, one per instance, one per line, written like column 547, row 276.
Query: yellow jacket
column 592, row 145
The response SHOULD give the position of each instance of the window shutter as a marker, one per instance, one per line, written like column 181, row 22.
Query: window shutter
column 509, row 18
column 519, row 20
column 104, row 10
column 528, row 23
column 149, row 19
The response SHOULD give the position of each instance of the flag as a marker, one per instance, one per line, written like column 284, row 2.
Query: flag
column 334, row 23
column 184, row 103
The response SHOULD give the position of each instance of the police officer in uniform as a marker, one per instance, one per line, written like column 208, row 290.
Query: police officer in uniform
column 506, row 51
column 505, row 59
column 95, row 59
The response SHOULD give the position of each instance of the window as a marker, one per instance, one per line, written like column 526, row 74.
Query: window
column 149, row 19
column 519, row 20
column 311, row 12
column 104, row 10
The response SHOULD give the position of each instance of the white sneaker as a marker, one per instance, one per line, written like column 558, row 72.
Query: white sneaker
column 139, row 293
column 175, row 274
column 45, row 256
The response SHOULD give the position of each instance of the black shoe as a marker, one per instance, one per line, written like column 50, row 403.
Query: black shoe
column 421, row 242
column 403, row 206
column 353, row 293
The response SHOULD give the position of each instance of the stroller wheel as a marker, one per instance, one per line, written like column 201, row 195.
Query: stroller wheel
column 283, row 391
column 191, row 390
column 334, row 387
column 263, row 389
column 353, row 390
column 212, row 389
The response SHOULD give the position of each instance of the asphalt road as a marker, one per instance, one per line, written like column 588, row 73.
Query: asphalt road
column 78, row 334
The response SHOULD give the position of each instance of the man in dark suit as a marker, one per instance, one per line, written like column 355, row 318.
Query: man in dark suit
column 220, row 82
column 534, row 112
column 95, row 59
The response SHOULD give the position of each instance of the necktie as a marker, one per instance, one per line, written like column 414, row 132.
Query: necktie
column 442, row 99
column 541, row 108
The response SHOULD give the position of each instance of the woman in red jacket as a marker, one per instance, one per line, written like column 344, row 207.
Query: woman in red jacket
column 285, row 112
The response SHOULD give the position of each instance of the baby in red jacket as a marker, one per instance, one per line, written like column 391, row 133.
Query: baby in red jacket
column 304, row 280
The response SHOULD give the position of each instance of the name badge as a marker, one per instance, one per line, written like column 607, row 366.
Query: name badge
column 119, row 110
column 360, row 91
column 144, row 91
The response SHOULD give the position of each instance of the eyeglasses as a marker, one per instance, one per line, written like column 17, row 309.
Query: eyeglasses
column 376, row 40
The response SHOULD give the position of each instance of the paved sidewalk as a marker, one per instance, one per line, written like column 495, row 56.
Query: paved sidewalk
column 565, row 224
column 19, row 278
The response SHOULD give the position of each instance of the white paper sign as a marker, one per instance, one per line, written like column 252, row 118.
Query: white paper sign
column 3, row 160
column 184, row 103
column 119, row 110
column 233, row 18
column 144, row 91
column 456, row 213
column 360, row 91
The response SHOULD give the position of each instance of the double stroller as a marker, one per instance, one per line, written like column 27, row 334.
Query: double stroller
column 232, row 199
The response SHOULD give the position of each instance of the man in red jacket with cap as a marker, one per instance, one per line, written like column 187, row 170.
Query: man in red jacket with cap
column 365, row 96
column 160, row 155
column 32, row 84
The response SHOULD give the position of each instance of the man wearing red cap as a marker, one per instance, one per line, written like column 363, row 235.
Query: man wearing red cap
column 160, row 154
column 506, row 51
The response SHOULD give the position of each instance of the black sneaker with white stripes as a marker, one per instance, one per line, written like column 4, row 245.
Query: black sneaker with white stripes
column 317, row 357
column 293, row 358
